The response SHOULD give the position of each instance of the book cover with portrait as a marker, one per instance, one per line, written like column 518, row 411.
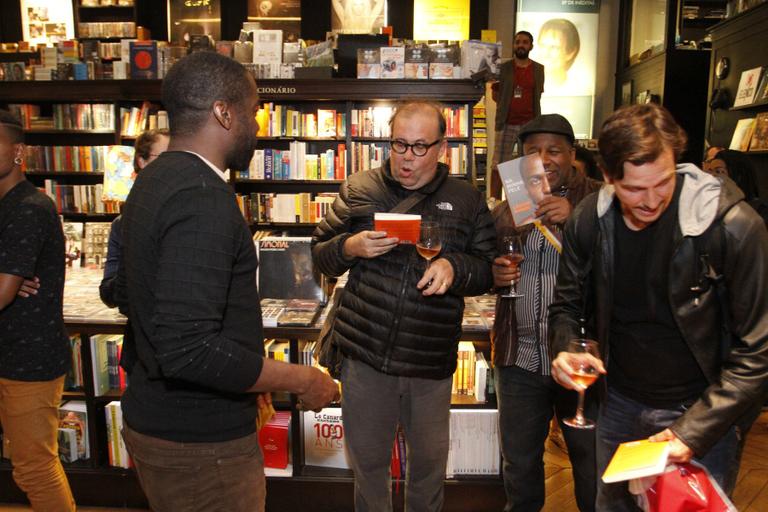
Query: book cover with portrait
column 525, row 185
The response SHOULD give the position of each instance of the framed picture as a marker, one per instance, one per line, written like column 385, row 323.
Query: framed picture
column 626, row 93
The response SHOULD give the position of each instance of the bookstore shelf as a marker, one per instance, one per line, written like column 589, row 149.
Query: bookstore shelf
column 93, row 481
column 758, row 105
column 54, row 131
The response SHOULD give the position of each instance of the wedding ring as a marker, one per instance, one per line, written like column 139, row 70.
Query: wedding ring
column 444, row 284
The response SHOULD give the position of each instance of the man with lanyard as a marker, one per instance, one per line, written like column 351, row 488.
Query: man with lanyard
column 518, row 100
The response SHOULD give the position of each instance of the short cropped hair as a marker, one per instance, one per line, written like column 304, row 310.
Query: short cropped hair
column 638, row 134
column 195, row 82
column 525, row 33
column 144, row 144
column 411, row 106
column 12, row 126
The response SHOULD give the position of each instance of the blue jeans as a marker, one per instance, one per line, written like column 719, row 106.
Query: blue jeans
column 526, row 403
column 623, row 419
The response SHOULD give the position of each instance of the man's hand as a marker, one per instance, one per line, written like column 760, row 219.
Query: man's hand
column 504, row 271
column 29, row 287
column 322, row 391
column 368, row 244
column 678, row 450
column 554, row 209
column 565, row 365
column 437, row 279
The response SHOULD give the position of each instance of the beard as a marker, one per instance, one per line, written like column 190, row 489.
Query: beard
column 241, row 155
column 521, row 53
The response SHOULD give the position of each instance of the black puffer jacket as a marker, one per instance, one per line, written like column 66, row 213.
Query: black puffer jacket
column 384, row 320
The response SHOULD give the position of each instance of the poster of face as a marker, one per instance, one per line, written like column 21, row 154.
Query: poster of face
column 565, row 42
column 193, row 17
column 47, row 21
column 282, row 15
column 358, row 16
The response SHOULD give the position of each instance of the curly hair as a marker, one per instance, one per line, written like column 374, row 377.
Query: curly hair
column 195, row 82
column 638, row 134
column 144, row 144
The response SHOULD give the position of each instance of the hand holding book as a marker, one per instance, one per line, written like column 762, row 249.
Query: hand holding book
column 678, row 450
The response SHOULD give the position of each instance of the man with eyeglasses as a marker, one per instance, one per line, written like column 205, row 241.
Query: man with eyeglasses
column 399, row 321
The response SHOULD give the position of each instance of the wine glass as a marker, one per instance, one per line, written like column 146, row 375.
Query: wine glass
column 512, row 248
column 429, row 244
column 585, row 374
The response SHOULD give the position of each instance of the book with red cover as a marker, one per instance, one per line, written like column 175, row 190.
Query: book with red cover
column 273, row 438
column 404, row 226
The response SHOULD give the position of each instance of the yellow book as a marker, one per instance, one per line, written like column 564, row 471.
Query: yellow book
column 637, row 459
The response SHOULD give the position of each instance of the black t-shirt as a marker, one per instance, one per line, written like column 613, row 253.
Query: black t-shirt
column 650, row 361
column 33, row 343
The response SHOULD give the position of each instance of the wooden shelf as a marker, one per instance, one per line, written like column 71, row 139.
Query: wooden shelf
column 758, row 105
column 337, row 89
column 89, row 217
column 49, row 131
column 64, row 174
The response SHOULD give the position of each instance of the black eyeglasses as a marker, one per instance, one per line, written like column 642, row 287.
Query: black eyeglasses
column 417, row 148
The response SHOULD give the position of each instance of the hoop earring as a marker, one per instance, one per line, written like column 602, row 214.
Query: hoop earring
column 18, row 160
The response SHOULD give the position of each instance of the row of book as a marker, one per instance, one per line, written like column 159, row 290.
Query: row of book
column 66, row 116
column 473, row 373
column 374, row 121
column 276, row 120
column 296, row 164
column 105, row 351
column 751, row 134
column 79, row 198
column 107, row 29
column 303, row 207
column 135, row 120
column 66, row 158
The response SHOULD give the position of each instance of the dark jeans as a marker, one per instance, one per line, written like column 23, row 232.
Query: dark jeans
column 199, row 477
column 526, row 403
column 623, row 419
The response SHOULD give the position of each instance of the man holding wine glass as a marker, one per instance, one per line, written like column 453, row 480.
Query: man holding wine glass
column 524, row 388
column 399, row 320
column 668, row 265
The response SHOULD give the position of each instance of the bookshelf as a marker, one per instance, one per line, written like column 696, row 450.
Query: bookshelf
column 741, row 40
column 343, row 96
column 95, row 483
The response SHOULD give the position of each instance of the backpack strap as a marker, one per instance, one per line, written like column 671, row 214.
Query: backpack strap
column 710, row 251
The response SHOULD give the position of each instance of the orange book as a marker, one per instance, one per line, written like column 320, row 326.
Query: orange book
column 403, row 226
